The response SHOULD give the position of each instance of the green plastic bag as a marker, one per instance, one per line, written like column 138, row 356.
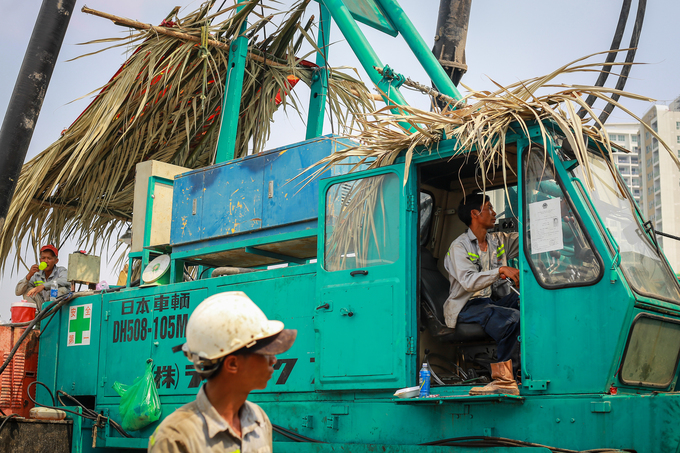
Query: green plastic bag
column 139, row 402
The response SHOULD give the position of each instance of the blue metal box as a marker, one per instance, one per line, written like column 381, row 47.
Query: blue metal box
column 249, row 194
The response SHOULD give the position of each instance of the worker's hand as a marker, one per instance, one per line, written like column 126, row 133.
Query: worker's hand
column 33, row 291
column 511, row 273
column 32, row 271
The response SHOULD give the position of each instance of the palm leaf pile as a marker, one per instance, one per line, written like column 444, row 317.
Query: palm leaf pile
column 482, row 119
column 164, row 104
column 479, row 123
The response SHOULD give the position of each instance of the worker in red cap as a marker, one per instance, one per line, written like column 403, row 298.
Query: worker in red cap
column 41, row 277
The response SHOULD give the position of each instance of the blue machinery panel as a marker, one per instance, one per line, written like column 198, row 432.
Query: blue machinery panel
column 213, row 206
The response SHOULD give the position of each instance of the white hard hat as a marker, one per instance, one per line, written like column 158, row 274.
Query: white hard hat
column 227, row 322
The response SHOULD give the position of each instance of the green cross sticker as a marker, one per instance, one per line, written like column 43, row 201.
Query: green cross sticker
column 79, row 325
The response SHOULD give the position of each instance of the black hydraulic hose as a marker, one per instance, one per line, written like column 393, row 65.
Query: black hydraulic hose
column 87, row 414
column 630, row 57
column 6, row 420
column 294, row 436
column 486, row 441
column 611, row 56
column 29, row 92
column 206, row 269
column 471, row 441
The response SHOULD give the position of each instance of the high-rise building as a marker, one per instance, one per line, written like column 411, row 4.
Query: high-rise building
column 627, row 135
column 661, row 177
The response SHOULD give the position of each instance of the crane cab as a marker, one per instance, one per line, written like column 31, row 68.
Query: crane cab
column 589, row 271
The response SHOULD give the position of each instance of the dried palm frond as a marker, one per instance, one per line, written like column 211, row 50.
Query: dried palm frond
column 479, row 123
column 482, row 120
column 164, row 104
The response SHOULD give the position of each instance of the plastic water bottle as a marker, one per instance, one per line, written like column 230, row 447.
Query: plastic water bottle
column 424, row 381
column 54, row 291
column 102, row 285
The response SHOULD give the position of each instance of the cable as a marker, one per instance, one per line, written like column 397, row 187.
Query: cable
column 87, row 414
column 484, row 441
column 5, row 420
column 53, row 307
column 295, row 436
column 469, row 441
column 46, row 388
column 611, row 56
column 203, row 272
column 630, row 57
column 44, row 328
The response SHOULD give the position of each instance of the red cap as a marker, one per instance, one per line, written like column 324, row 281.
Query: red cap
column 51, row 248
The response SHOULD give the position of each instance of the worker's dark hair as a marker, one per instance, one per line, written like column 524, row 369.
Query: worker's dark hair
column 215, row 369
column 468, row 203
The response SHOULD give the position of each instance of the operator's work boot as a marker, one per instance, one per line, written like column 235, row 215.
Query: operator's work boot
column 503, row 382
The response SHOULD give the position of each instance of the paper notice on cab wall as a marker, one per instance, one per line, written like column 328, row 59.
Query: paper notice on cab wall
column 546, row 226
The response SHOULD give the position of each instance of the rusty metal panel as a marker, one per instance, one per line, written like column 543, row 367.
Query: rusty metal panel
column 232, row 198
column 20, row 372
column 187, row 208
column 290, row 199
column 36, row 436
column 298, row 248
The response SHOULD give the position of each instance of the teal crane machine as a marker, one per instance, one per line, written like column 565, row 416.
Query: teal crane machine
column 352, row 257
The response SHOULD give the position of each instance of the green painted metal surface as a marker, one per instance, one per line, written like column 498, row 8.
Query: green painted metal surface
column 359, row 323
column 319, row 88
column 421, row 50
column 379, row 302
column 363, row 50
column 372, row 448
column 336, row 384
column 231, row 105
column 371, row 13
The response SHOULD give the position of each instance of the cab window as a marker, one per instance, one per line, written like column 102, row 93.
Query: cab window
column 651, row 355
column 642, row 264
column 558, row 251
column 362, row 223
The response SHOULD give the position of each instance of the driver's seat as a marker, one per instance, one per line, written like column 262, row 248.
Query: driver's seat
column 434, row 290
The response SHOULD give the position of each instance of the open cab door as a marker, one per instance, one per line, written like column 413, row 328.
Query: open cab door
column 364, row 321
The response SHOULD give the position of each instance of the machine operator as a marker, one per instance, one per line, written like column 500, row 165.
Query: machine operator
column 232, row 345
column 35, row 287
column 480, row 292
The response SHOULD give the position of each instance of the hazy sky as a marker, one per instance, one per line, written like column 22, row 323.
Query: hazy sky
column 507, row 41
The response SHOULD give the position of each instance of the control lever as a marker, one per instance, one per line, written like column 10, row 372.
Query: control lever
column 512, row 285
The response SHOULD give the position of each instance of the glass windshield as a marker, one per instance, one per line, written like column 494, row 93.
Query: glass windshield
column 559, row 253
column 644, row 269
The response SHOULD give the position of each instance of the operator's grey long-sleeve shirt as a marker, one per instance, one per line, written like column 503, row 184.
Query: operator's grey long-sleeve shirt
column 39, row 278
column 467, row 274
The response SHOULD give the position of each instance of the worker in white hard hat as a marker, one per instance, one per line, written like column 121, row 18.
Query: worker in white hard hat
column 233, row 345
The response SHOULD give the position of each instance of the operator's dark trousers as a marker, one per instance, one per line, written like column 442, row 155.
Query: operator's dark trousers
column 499, row 319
